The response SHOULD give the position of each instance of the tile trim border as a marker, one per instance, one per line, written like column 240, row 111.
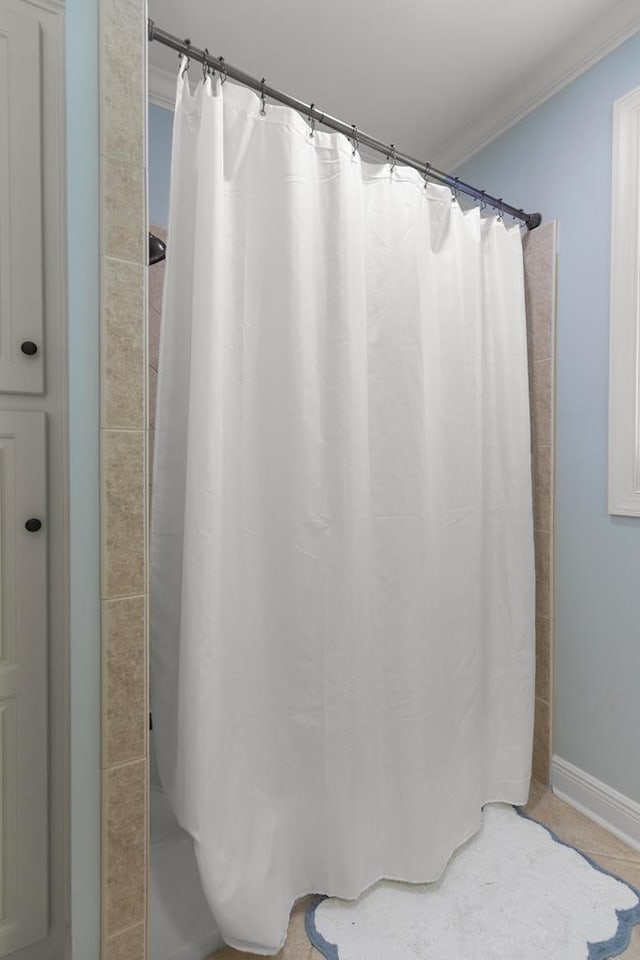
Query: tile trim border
column 540, row 250
column 123, row 468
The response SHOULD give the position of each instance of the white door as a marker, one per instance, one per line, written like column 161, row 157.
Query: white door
column 23, row 681
column 21, row 278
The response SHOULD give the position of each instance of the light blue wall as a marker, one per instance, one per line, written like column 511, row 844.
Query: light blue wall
column 83, row 219
column 160, row 129
column 558, row 161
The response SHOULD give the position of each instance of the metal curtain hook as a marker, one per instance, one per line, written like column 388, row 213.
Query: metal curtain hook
column 354, row 140
column 312, row 121
column 185, row 59
column 483, row 202
column 500, row 210
column 455, row 190
column 427, row 167
column 263, row 104
column 223, row 71
column 205, row 65
column 392, row 157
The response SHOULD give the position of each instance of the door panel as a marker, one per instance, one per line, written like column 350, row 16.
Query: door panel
column 23, row 681
column 21, row 272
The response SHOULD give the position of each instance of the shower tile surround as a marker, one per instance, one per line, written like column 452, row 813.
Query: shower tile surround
column 123, row 480
column 127, row 442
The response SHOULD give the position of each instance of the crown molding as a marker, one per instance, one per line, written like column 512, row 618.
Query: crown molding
column 50, row 6
column 575, row 58
column 162, row 88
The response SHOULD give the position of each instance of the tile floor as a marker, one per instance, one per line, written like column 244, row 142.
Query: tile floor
column 607, row 850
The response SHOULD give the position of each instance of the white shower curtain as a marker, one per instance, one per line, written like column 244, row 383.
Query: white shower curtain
column 342, row 557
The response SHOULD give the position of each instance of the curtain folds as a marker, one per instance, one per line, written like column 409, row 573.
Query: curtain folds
column 342, row 548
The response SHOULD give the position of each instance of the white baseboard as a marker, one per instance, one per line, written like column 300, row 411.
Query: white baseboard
column 612, row 810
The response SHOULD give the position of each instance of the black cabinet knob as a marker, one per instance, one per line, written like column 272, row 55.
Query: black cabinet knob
column 33, row 525
column 29, row 347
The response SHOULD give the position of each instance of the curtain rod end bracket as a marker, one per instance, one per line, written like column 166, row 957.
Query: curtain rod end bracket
column 534, row 220
column 151, row 30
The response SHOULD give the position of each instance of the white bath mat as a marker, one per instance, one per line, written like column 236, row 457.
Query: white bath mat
column 513, row 891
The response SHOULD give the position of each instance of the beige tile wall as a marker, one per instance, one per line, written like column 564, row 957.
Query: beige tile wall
column 124, row 481
column 540, row 293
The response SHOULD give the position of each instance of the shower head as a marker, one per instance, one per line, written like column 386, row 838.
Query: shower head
column 157, row 249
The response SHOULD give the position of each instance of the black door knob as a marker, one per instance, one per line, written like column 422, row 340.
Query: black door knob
column 33, row 525
column 29, row 347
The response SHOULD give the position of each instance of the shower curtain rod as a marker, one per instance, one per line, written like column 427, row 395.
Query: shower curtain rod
column 531, row 220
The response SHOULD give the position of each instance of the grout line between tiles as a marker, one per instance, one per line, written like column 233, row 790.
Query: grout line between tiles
column 119, row 933
column 125, row 763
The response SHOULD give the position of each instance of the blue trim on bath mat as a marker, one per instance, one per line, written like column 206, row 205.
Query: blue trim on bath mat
column 627, row 919
column 328, row 950
column 604, row 950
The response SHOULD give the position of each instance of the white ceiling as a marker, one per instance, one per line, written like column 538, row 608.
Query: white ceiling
column 438, row 78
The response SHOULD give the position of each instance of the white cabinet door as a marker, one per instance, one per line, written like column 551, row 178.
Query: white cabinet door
column 23, row 681
column 21, row 272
